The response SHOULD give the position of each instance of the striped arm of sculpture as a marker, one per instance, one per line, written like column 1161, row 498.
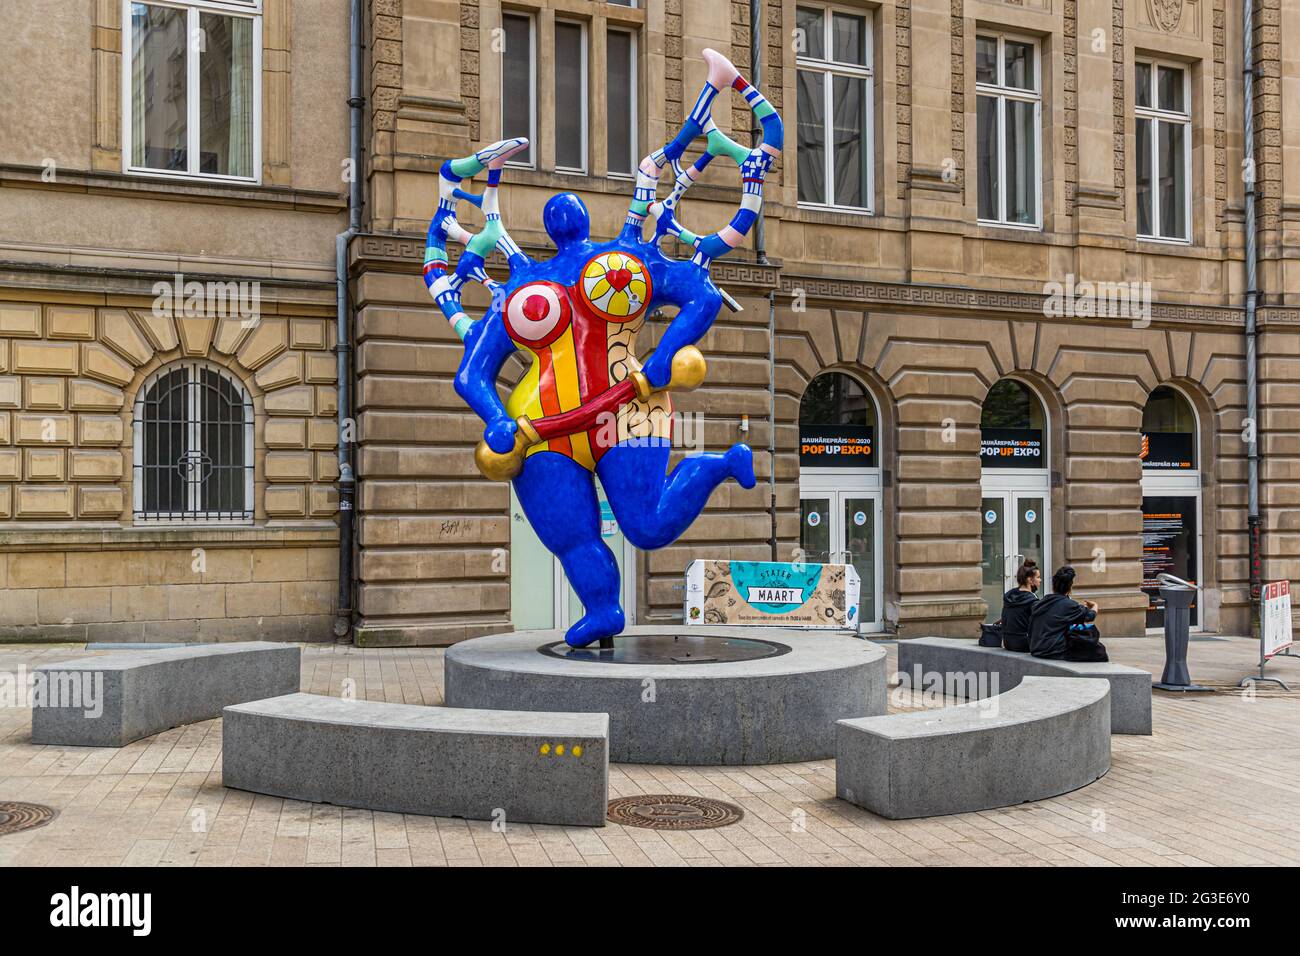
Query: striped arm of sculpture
column 445, row 285
column 753, row 164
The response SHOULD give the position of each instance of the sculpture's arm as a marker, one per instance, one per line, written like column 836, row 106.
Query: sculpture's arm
column 698, row 307
column 487, row 346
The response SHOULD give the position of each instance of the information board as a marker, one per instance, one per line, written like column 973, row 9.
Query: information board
column 773, row 593
column 1275, row 617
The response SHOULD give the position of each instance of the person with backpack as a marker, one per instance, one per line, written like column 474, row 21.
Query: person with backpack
column 1062, row 628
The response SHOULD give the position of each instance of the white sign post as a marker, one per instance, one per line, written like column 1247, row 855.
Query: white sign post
column 1274, row 628
column 1275, row 617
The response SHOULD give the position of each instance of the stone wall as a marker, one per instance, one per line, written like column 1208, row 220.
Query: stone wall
column 69, row 377
column 151, row 586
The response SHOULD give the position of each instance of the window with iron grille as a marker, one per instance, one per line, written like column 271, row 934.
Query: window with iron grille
column 193, row 433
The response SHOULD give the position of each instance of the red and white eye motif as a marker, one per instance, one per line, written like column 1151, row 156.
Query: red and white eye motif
column 537, row 314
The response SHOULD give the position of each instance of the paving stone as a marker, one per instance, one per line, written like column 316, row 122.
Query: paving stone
column 1202, row 790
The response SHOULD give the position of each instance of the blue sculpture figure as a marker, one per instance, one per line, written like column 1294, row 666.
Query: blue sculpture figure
column 587, row 406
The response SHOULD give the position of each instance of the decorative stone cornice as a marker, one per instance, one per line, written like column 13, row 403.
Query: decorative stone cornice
column 406, row 253
column 931, row 298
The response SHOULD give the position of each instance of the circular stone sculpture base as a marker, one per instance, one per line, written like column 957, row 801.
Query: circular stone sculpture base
column 683, row 709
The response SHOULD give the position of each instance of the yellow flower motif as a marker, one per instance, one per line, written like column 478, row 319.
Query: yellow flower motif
column 616, row 285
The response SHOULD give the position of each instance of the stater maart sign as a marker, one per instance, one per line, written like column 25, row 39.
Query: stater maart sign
column 772, row 593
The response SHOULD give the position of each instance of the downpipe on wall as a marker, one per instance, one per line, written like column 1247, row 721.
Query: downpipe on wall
column 1254, row 524
column 343, row 346
column 760, row 255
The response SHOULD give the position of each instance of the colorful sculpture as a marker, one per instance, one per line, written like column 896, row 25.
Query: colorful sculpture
column 587, row 406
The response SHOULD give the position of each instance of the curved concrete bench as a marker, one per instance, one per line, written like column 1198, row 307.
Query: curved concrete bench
column 112, row 700
column 1046, row 737
column 962, row 663
column 504, row 765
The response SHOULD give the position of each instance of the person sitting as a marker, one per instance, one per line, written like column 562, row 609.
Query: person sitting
column 1017, row 605
column 1062, row 628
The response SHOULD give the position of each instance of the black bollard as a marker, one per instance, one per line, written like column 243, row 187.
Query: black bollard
column 1178, row 596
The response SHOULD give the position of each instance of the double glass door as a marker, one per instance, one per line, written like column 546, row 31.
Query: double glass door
column 1013, row 529
column 843, row 527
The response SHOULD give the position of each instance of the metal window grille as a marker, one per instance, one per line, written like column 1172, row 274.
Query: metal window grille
column 193, row 446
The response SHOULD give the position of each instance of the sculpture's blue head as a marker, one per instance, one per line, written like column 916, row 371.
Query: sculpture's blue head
column 566, row 219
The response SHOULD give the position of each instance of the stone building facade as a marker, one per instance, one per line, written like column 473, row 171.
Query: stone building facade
column 110, row 366
column 958, row 177
column 911, row 292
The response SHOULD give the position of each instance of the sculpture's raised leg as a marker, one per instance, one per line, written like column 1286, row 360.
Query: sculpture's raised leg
column 654, row 508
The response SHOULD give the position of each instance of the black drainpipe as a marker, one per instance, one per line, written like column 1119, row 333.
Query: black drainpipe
column 343, row 347
column 760, row 254
column 1253, row 520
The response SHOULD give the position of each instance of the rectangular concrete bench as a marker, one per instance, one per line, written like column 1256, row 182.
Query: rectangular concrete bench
column 512, row 766
column 1048, row 736
column 111, row 700
column 958, row 660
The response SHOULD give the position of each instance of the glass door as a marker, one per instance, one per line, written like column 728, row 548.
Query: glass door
column 843, row 527
column 1013, row 530
column 858, row 541
column 1030, row 533
column 1170, row 545
column 993, row 553
column 815, row 528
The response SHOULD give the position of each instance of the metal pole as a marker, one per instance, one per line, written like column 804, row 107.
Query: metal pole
column 1252, row 292
column 756, row 135
column 343, row 341
column 771, row 418
column 1254, row 524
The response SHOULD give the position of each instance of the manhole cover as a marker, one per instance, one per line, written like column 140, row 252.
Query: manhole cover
column 15, row 817
column 660, row 812
column 670, row 649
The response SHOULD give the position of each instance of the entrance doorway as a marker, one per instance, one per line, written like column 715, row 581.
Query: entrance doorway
column 840, row 485
column 1015, row 483
column 540, row 593
column 1171, row 500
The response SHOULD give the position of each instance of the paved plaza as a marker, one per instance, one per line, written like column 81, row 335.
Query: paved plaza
column 1215, row 784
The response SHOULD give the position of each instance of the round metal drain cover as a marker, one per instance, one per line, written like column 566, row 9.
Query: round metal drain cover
column 15, row 817
column 670, row 649
column 662, row 812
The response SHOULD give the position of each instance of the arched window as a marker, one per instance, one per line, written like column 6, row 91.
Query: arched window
column 1168, row 411
column 837, row 424
column 1010, row 404
column 1012, row 427
column 834, row 398
column 193, row 430
column 1168, row 431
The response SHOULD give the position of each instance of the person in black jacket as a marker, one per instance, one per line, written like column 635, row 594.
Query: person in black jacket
column 1017, row 605
column 1062, row 628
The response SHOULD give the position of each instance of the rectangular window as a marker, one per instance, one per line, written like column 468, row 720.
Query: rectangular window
column 570, row 96
column 1008, row 147
column 192, row 89
column 620, row 55
column 518, row 83
column 1164, row 131
column 834, row 109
